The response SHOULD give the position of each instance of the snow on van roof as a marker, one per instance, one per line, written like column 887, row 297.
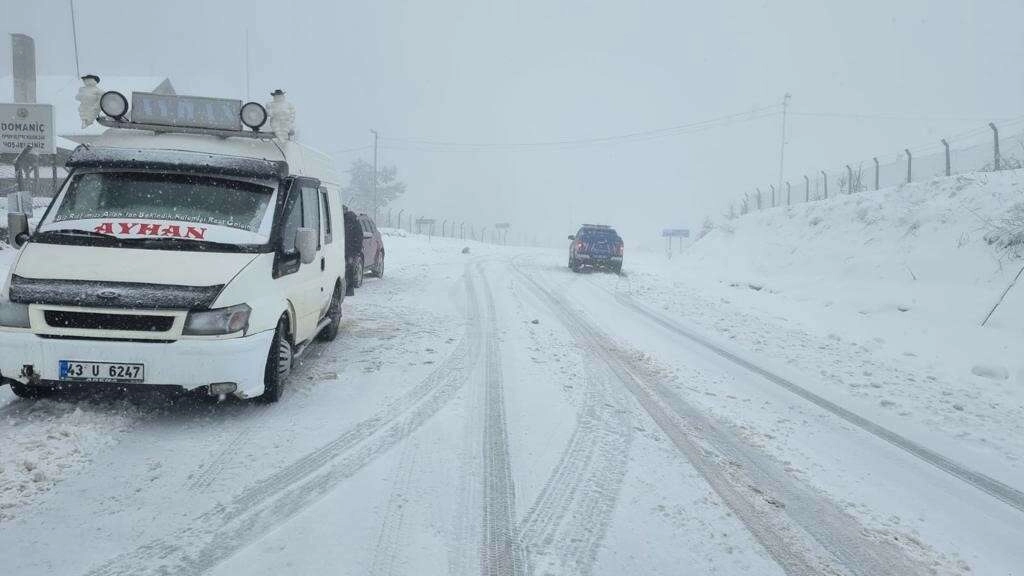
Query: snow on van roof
column 301, row 159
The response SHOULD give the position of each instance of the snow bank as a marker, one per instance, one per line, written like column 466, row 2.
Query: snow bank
column 877, row 297
column 45, row 441
column 927, row 260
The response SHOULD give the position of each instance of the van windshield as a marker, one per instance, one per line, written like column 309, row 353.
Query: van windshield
column 168, row 197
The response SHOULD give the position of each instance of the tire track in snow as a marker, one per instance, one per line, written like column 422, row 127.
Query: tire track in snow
column 219, row 533
column 387, row 551
column 564, row 528
column 500, row 554
column 987, row 484
column 802, row 530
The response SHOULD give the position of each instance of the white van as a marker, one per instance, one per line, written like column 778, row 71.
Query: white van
column 177, row 257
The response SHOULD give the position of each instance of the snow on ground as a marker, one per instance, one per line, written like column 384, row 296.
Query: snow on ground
column 491, row 412
column 874, row 300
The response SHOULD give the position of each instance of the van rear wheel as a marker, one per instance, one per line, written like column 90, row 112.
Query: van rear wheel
column 358, row 270
column 330, row 332
column 279, row 364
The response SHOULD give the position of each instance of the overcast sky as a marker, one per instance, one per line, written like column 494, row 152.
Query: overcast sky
column 490, row 76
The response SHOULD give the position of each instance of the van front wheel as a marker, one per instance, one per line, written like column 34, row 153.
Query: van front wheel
column 279, row 364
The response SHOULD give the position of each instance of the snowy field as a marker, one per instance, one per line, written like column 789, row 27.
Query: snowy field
column 805, row 392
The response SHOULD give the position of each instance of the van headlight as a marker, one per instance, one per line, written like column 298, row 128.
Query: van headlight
column 219, row 321
column 13, row 315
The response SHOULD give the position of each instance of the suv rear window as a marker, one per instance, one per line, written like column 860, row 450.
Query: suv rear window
column 599, row 234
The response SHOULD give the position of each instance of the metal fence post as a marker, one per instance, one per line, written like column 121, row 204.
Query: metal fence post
column 758, row 198
column 389, row 217
column 772, row 186
column 946, row 146
column 995, row 137
column 849, row 179
column 788, row 193
column 910, row 163
column 876, row 171
column 807, row 188
column 443, row 224
column 824, row 178
column 399, row 226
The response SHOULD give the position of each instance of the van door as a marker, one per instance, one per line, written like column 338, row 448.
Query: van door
column 299, row 282
column 327, row 277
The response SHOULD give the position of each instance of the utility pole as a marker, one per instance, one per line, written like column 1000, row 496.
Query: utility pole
column 376, row 201
column 782, row 143
column 74, row 36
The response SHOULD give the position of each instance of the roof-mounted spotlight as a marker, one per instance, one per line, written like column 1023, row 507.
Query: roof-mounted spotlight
column 254, row 115
column 114, row 105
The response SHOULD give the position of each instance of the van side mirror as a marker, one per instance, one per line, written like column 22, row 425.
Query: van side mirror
column 571, row 237
column 305, row 243
column 17, row 229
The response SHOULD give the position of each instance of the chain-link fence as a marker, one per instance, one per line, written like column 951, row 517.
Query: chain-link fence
column 983, row 149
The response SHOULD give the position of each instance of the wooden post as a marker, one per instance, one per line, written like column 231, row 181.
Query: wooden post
column 946, row 146
column 995, row 137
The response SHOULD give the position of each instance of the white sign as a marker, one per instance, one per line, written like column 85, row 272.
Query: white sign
column 191, row 111
column 24, row 125
column 676, row 233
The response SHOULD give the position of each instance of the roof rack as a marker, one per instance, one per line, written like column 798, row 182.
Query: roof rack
column 164, row 129
column 596, row 226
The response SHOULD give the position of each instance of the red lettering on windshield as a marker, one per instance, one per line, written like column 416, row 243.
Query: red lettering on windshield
column 149, row 229
column 197, row 233
column 171, row 230
column 105, row 228
column 126, row 227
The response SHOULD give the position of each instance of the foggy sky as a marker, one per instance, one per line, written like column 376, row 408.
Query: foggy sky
column 497, row 73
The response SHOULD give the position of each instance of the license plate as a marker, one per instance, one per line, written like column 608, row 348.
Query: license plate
column 101, row 371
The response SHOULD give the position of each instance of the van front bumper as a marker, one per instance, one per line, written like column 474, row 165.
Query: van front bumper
column 188, row 364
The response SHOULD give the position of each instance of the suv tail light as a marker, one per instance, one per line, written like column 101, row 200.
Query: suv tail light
column 580, row 245
column 618, row 250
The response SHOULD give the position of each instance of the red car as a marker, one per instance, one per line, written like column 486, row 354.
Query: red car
column 373, row 250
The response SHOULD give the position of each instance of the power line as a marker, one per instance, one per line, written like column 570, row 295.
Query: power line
column 410, row 143
column 894, row 116
column 350, row 150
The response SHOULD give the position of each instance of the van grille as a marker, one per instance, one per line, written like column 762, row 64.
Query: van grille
column 102, row 321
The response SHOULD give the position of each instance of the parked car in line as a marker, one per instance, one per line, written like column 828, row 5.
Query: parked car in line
column 373, row 248
column 596, row 246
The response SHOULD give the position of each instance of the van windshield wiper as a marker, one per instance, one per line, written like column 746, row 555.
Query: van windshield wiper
column 78, row 232
column 182, row 242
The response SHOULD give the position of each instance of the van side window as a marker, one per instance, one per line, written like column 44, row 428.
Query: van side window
column 326, row 215
column 311, row 210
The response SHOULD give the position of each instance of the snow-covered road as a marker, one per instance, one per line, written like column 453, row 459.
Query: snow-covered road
column 493, row 413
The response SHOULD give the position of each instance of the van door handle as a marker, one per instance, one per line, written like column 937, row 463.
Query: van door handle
column 323, row 263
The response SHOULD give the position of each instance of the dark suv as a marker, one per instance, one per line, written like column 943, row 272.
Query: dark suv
column 596, row 245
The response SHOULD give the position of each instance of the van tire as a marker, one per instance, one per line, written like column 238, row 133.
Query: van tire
column 358, row 272
column 330, row 332
column 279, row 363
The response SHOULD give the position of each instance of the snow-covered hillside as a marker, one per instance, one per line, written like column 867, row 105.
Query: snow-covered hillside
column 876, row 299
